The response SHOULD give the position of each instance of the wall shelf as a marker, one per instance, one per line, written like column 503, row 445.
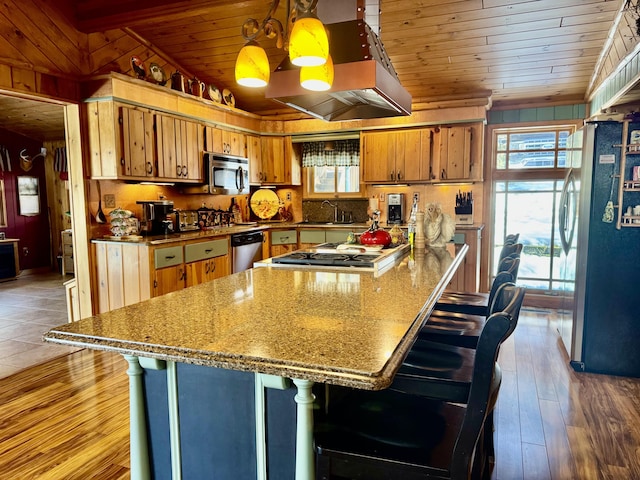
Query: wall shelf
column 626, row 185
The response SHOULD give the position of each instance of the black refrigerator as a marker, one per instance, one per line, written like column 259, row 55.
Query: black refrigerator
column 603, row 333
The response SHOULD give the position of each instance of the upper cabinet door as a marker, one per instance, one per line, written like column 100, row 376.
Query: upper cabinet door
column 226, row 142
column 378, row 156
column 138, row 152
column 254, row 153
column 168, row 146
column 408, row 156
column 179, row 144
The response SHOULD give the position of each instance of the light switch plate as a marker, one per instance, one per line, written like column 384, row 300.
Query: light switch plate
column 110, row 200
column 381, row 197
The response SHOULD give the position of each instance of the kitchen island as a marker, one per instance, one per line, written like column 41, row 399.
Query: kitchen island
column 310, row 325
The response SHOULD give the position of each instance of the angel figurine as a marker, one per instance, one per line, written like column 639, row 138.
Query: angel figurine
column 438, row 227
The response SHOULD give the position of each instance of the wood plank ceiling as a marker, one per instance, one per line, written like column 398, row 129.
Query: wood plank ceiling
column 541, row 51
column 516, row 52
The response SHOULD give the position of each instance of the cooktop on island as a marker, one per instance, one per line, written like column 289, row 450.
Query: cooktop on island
column 335, row 256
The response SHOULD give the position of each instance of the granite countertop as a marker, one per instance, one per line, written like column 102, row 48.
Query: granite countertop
column 346, row 328
column 179, row 237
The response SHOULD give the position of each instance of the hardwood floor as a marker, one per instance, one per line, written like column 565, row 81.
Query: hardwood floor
column 68, row 418
column 554, row 423
column 29, row 307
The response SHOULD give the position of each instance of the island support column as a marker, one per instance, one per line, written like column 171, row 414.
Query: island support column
column 305, row 469
column 139, row 450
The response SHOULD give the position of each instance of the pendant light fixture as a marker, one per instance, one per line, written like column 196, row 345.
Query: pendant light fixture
column 252, row 66
column 307, row 44
column 318, row 78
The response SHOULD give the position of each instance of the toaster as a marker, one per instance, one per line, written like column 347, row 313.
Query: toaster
column 186, row 220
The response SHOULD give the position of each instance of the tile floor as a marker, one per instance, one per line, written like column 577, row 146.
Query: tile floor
column 30, row 306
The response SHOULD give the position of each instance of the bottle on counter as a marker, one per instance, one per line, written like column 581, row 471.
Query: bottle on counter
column 236, row 211
column 411, row 230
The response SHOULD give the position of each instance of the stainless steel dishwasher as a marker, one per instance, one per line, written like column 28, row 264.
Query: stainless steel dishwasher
column 246, row 249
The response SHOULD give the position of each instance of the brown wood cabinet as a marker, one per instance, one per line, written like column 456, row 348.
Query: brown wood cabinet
column 282, row 241
column 467, row 277
column 134, row 143
column 254, row 154
column 421, row 155
column 278, row 164
column 229, row 142
column 396, row 156
column 128, row 273
column 206, row 261
column 459, row 153
column 169, row 279
column 138, row 146
column 179, row 149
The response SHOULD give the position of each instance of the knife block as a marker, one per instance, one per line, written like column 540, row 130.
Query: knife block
column 464, row 215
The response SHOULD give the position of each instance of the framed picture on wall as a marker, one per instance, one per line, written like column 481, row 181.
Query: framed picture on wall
column 28, row 196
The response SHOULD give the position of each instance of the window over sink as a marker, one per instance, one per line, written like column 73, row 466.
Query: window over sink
column 332, row 167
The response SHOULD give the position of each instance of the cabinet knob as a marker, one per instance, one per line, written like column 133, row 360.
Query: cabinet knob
column 399, row 175
column 213, row 267
column 185, row 171
column 206, row 267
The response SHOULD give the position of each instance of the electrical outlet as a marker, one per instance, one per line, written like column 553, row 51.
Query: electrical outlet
column 288, row 196
column 381, row 198
column 110, row 200
column 416, row 197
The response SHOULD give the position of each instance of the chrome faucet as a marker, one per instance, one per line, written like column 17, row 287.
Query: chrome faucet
column 335, row 209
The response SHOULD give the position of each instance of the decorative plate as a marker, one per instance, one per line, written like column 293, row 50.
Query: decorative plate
column 264, row 203
column 138, row 67
column 158, row 74
column 214, row 93
column 228, row 97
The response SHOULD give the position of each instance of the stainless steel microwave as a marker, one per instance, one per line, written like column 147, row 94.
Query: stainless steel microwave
column 224, row 174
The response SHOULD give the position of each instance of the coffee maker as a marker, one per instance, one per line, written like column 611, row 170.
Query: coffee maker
column 395, row 205
column 156, row 217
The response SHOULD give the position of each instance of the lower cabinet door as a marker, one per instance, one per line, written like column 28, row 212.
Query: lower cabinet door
column 169, row 279
column 206, row 270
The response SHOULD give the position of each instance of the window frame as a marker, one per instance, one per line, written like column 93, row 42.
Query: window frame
column 536, row 298
column 308, row 173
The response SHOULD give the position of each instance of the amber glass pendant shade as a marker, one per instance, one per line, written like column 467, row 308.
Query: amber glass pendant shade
column 252, row 66
column 308, row 42
column 319, row 78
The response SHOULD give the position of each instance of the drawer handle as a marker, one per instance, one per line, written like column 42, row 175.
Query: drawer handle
column 169, row 257
column 208, row 250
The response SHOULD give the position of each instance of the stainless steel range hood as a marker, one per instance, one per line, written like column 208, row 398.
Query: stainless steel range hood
column 365, row 83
